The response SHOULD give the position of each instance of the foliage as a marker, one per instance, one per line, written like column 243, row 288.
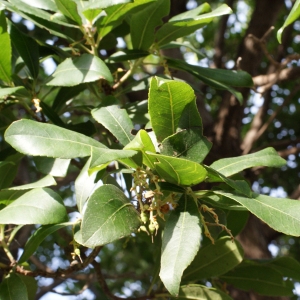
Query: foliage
column 139, row 165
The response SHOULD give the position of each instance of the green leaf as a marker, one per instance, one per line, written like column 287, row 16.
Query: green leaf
column 142, row 142
column 69, row 9
column 191, row 14
column 236, row 221
column 116, row 120
column 86, row 68
column 293, row 16
column 43, row 4
column 53, row 166
column 271, row 210
column 144, row 23
column 267, row 158
column 38, row 139
column 38, row 237
column 13, row 288
column 103, row 156
column 94, row 4
column 200, row 292
column 216, row 78
column 46, row 181
column 8, row 171
column 167, row 100
column 109, row 216
column 178, row 170
column 117, row 13
column 180, row 243
column 240, row 185
column 260, row 279
column 42, row 206
column 287, row 266
column 31, row 286
column 188, row 23
column 19, row 91
column 190, row 117
column 5, row 53
column 28, row 49
column 189, row 144
column 84, row 185
column 214, row 260
column 124, row 55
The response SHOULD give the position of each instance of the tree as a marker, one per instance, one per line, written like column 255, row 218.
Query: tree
column 146, row 198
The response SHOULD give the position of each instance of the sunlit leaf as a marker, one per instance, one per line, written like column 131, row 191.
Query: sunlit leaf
column 42, row 206
column 44, row 182
column 6, row 52
column 69, row 9
column 180, row 243
column 109, row 216
column 52, row 166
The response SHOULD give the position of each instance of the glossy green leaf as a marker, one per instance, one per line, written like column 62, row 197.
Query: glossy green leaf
column 13, row 288
column 6, row 52
column 200, row 292
column 189, row 144
column 38, row 139
column 178, row 170
column 44, row 182
column 109, row 216
column 214, row 260
column 260, row 279
column 69, row 9
column 270, row 210
column 142, row 142
column 192, row 13
column 117, row 13
column 8, row 171
column 84, row 185
column 292, row 17
column 239, row 185
column 43, row 4
column 144, row 23
column 103, row 156
column 28, row 49
column 38, row 237
column 167, row 100
column 42, row 206
column 92, row 15
column 53, row 166
column 216, row 78
column 267, row 158
column 187, row 24
column 86, row 68
column 116, row 120
column 180, row 243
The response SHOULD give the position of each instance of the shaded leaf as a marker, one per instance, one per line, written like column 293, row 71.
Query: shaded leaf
column 267, row 158
column 178, row 170
column 144, row 23
column 214, row 260
column 13, row 288
column 38, row 237
column 260, row 279
column 44, row 182
column 5, row 53
column 270, row 210
column 167, row 100
column 8, row 171
column 189, row 144
column 180, row 243
column 69, row 9
column 42, row 206
column 31, row 286
column 124, row 55
column 18, row 91
column 116, row 120
column 28, row 49
column 188, row 23
column 109, row 216
column 86, row 68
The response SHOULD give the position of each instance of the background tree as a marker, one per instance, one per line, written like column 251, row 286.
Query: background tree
column 106, row 56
